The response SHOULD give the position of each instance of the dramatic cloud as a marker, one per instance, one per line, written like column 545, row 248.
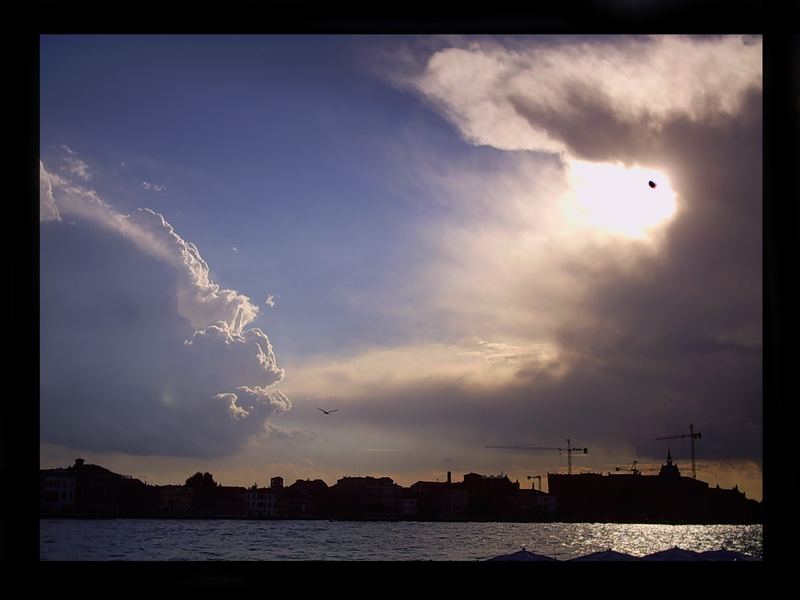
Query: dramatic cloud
column 582, row 331
column 542, row 290
column 592, row 98
column 141, row 351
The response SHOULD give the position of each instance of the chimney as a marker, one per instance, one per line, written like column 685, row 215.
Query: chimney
column 449, row 478
column 79, row 462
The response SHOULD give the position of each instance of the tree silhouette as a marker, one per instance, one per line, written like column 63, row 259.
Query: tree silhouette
column 202, row 481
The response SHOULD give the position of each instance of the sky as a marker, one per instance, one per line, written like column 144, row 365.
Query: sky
column 450, row 239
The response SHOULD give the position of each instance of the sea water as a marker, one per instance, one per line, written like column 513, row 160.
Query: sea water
column 241, row 540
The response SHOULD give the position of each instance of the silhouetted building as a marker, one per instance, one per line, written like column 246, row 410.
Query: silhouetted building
column 668, row 469
column 635, row 498
column 731, row 506
column 437, row 501
column 492, row 497
column 57, row 493
column 93, row 491
column 304, row 499
column 230, row 502
column 481, row 498
column 367, row 498
column 262, row 503
column 534, row 505
column 175, row 501
column 409, row 504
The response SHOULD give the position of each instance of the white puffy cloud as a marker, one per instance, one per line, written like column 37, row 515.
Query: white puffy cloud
column 249, row 400
column 507, row 97
column 200, row 300
column 224, row 353
column 141, row 351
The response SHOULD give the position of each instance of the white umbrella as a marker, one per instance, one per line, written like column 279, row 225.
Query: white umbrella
column 606, row 555
column 522, row 555
column 674, row 554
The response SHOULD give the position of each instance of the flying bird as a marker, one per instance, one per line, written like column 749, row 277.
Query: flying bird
column 652, row 184
column 327, row 412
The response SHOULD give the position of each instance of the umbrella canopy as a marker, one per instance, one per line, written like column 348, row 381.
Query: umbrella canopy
column 522, row 555
column 606, row 555
column 727, row 555
column 674, row 554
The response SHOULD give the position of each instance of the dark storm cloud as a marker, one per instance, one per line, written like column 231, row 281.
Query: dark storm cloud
column 606, row 400
column 694, row 312
column 589, row 124
column 673, row 341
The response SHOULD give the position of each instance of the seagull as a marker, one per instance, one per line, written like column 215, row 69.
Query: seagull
column 327, row 412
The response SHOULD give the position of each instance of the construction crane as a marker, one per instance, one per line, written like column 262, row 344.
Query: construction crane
column 539, row 477
column 692, row 435
column 569, row 450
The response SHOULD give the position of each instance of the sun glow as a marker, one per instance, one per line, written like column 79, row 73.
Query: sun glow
column 619, row 200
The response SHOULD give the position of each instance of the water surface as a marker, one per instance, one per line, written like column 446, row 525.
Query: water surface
column 156, row 539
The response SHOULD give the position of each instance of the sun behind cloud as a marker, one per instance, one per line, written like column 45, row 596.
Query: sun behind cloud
column 616, row 199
